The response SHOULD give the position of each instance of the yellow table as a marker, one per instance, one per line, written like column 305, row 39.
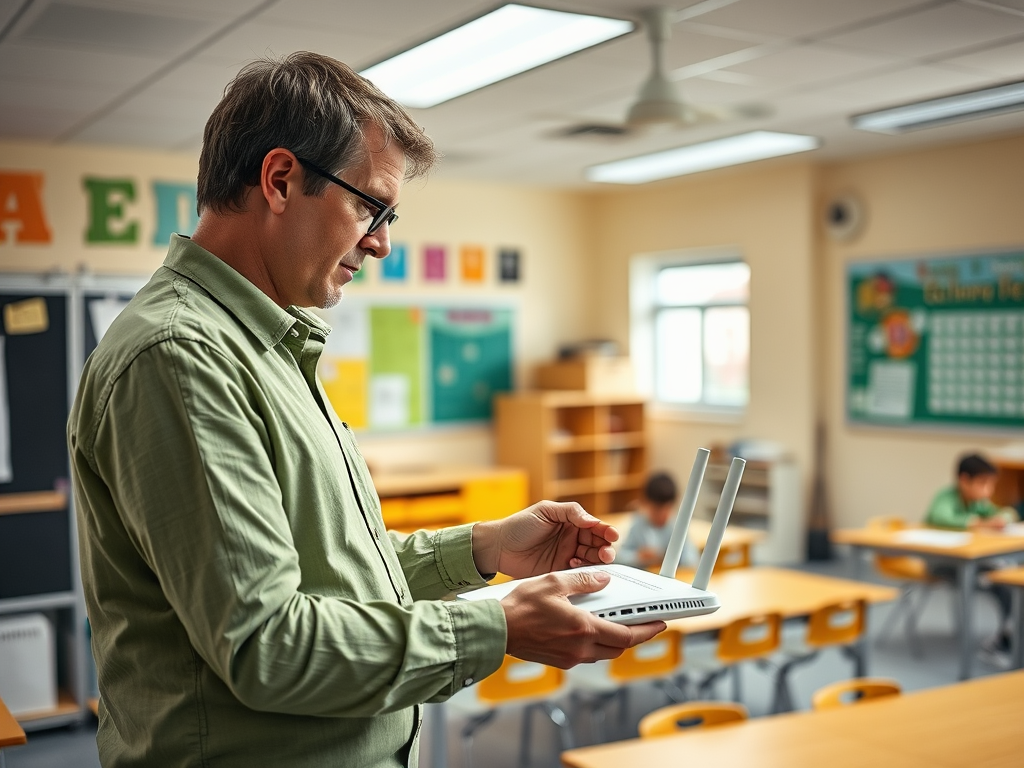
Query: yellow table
column 11, row 733
column 966, row 725
column 1014, row 578
column 965, row 551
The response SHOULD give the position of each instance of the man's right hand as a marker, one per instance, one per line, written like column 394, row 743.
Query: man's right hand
column 543, row 626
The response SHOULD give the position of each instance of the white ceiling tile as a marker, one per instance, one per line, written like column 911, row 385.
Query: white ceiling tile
column 260, row 38
column 808, row 64
column 933, row 32
column 17, row 94
column 37, row 123
column 801, row 18
column 140, row 130
column 906, row 84
column 1005, row 60
column 38, row 64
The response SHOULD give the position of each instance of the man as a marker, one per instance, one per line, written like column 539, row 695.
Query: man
column 247, row 606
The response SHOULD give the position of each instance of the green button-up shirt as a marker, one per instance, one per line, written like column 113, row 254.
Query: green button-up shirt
column 948, row 509
column 247, row 606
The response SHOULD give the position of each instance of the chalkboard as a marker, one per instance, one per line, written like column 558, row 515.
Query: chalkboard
column 35, row 547
column 937, row 342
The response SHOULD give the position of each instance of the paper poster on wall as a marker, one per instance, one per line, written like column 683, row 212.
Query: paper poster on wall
column 471, row 361
column 434, row 263
column 344, row 366
column 471, row 260
column 508, row 265
column 396, row 352
column 5, row 418
column 937, row 341
column 394, row 268
column 103, row 311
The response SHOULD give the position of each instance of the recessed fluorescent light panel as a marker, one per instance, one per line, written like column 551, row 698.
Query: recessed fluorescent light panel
column 745, row 148
column 948, row 109
column 505, row 42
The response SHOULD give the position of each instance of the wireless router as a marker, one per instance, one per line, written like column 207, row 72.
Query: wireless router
column 635, row 596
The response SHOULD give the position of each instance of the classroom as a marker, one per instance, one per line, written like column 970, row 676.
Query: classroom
column 844, row 311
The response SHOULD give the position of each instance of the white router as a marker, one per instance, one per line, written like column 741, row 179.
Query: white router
column 635, row 596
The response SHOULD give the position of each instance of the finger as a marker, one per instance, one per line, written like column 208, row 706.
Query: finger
column 621, row 636
column 580, row 582
column 594, row 555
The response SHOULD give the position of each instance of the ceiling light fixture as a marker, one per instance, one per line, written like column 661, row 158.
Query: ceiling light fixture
column 971, row 105
column 733, row 150
column 512, row 39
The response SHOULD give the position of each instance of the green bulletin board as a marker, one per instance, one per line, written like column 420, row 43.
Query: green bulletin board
column 937, row 342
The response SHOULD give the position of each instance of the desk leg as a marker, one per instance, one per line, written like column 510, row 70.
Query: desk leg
column 1017, row 608
column 968, row 575
column 858, row 563
column 437, row 723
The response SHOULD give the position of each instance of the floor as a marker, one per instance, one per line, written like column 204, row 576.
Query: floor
column 496, row 745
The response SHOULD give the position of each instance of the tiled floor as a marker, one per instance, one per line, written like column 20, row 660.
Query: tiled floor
column 496, row 745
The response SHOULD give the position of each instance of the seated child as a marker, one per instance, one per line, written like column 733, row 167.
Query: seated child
column 651, row 526
column 967, row 505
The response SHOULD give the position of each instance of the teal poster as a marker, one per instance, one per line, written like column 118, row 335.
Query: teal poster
column 937, row 341
column 471, row 361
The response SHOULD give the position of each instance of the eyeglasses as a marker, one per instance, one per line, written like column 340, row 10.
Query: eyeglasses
column 385, row 213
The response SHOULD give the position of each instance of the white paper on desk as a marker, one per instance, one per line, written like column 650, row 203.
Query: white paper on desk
column 1014, row 529
column 931, row 538
column 5, row 419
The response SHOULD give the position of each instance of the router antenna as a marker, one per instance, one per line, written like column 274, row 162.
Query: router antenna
column 682, row 522
column 714, row 542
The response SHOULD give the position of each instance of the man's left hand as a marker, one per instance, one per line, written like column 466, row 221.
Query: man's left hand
column 549, row 536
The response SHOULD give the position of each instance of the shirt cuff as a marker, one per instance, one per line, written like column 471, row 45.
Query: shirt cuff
column 453, row 554
column 480, row 639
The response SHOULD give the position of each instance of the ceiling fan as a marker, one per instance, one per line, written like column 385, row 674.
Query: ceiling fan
column 659, row 103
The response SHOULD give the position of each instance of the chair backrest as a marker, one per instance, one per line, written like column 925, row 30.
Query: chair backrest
column 518, row 679
column 854, row 691
column 840, row 623
column 693, row 714
column 897, row 567
column 750, row 637
column 657, row 657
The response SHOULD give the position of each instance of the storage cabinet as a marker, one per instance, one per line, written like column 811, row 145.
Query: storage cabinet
column 769, row 499
column 575, row 446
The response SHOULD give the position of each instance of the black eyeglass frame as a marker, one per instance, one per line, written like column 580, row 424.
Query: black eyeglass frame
column 385, row 213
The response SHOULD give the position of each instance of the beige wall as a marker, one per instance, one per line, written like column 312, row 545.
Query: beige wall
column 766, row 212
column 954, row 199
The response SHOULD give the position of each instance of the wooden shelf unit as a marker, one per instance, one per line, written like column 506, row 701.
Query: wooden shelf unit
column 1009, row 482
column 769, row 499
column 575, row 446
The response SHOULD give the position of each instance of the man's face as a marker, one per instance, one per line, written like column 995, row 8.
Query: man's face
column 978, row 488
column 328, row 233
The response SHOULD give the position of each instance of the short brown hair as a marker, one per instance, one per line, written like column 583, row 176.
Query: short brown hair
column 311, row 104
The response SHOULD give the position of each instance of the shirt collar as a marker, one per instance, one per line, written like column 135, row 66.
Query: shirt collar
column 249, row 305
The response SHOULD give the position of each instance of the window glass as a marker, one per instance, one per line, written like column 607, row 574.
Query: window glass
column 679, row 367
column 703, row 284
column 726, row 355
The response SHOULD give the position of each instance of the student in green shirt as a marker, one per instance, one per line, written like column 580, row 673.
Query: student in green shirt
column 248, row 606
column 967, row 505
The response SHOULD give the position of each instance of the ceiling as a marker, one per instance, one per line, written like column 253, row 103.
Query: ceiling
column 147, row 73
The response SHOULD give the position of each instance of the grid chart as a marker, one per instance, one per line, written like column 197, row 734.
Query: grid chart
column 976, row 364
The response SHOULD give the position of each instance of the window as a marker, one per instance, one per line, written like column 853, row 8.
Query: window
column 697, row 331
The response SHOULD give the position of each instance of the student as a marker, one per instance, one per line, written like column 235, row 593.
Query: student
column 651, row 526
column 967, row 505
column 247, row 605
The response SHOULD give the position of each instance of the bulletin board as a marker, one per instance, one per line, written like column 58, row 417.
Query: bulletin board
column 937, row 342
column 35, row 369
column 416, row 364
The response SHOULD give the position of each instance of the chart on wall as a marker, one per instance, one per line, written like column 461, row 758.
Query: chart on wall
column 937, row 341
column 407, row 366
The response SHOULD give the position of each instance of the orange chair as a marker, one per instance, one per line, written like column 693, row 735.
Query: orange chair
column 836, row 625
column 657, row 660
column 695, row 714
column 912, row 574
column 516, row 682
column 732, row 556
column 847, row 692
column 11, row 733
column 746, row 639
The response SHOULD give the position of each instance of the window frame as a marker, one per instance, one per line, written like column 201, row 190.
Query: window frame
column 644, row 310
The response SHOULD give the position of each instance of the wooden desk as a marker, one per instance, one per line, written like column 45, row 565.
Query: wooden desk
column 965, row 725
column 426, row 496
column 11, row 733
column 966, row 556
column 1014, row 578
column 735, row 536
